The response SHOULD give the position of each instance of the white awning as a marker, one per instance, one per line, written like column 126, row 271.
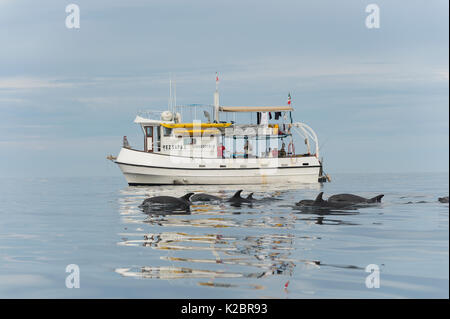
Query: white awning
column 255, row 108
column 142, row 120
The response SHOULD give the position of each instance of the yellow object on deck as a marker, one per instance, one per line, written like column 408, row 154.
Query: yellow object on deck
column 275, row 128
column 196, row 125
column 200, row 132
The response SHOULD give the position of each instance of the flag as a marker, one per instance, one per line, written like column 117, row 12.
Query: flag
column 289, row 99
column 217, row 81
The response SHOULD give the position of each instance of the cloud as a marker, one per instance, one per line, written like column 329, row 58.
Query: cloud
column 11, row 100
column 116, row 102
column 41, row 143
column 443, row 74
column 25, row 280
column 21, row 83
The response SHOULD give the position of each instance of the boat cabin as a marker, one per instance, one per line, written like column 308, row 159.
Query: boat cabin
column 224, row 139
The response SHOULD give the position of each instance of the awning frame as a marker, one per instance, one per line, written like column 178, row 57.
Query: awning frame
column 255, row 108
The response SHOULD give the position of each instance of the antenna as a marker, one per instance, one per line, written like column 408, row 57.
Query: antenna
column 170, row 92
column 175, row 95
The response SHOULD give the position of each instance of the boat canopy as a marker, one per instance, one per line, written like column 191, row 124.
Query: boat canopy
column 254, row 108
column 143, row 120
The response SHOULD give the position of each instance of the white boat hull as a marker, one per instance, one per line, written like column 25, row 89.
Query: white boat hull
column 142, row 168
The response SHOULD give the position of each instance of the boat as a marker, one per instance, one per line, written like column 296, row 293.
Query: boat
column 184, row 145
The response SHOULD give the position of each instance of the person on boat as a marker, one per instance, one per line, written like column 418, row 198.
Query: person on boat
column 247, row 149
column 282, row 152
column 221, row 151
column 125, row 142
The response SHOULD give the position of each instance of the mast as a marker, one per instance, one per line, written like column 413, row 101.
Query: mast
column 175, row 95
column 170, row 95
column 216, row 100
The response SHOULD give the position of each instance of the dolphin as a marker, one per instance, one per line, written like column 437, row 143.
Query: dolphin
column 203, row 197
column 355, row 199
column 250, row 197
column 182, row 202
column 319, row 202
column 443, row 199
column 237, row 199
column 264, row 199
column 308, row 202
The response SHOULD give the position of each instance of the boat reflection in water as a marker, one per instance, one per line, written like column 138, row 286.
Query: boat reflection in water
column 219, row 241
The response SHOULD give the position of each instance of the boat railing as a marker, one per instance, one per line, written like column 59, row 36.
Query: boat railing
column 307, row 133
column 195, row 112
column 150, row 114
column 188, row 112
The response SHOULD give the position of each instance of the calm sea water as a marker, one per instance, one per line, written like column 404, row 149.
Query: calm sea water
column 219, row 251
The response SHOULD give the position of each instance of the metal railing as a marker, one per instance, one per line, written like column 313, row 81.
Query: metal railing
column 150, row 114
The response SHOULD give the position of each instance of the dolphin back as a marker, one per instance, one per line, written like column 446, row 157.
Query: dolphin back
column 187, row 196
column 355, row 199
column 203, row 197
column 443, row 199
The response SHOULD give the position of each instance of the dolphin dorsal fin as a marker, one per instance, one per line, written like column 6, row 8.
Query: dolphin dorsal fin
column 187, row 196
column 237, row 194
column 376, row 199
column 250, row 196
column 319, row 198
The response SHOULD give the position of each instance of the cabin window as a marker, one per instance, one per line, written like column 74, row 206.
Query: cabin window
column 149, row 131
column 189, row 141
column 148, row 144
column 167, row 131
column 158, row 139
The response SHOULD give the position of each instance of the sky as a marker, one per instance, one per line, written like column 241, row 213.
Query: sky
column 377, row 98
